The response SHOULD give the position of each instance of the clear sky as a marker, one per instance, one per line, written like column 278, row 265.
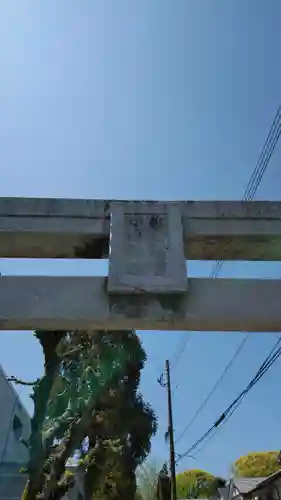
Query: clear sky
column 155, row 99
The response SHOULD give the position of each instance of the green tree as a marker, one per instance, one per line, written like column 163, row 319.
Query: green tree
column 256, row 464
column 87, row 400
column 213, row 486
column 130, row 421
column 195, row 483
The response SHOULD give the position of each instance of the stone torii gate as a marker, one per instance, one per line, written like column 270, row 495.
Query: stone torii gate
column 147, row 244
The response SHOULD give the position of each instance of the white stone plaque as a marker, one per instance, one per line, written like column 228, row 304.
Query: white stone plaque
column 146, row 248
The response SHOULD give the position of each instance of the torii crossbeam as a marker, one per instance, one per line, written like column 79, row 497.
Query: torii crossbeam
column 147, row 244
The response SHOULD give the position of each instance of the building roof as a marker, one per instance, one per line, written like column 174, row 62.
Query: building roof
column 267, row 480
column 247, row 484
column 224, row 491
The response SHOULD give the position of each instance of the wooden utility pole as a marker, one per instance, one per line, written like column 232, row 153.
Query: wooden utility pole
column 171, row 434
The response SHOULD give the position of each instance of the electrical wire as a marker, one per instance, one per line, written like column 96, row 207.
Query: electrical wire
column 249, row 193
column 214, row 388
column 264, row 157
column 211, row 433
column 217, row 430
column 182, row 345
column 274, row 354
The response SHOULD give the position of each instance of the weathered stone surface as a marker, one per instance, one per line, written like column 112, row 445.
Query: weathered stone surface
column 58, row 228
column 28, row 303
column 146, row 249
column 53, row 228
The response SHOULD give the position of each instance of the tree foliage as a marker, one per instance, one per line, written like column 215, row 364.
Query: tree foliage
column 195, row 483
column 87, row 403
column 256, row 464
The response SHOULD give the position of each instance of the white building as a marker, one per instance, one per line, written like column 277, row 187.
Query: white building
column 14, row 425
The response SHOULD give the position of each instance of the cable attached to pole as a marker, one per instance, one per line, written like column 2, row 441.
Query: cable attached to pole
column 249, row 193
column 274, row 354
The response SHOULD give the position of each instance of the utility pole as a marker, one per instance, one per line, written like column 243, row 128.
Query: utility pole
column 171, row 434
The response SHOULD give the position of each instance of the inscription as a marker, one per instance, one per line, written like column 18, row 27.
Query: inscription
column 146, row 244
column 146, row 249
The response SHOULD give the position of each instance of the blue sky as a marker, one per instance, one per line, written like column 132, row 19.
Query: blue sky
column 153, row 99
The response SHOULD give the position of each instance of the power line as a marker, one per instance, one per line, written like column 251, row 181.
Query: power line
column 271, row 358
column 264, row 157
column 215, row 433
column 216, row 430
column 249, row 193
column 182, row 345
column 228, row 416
column 214, row 388
column 265, row 366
